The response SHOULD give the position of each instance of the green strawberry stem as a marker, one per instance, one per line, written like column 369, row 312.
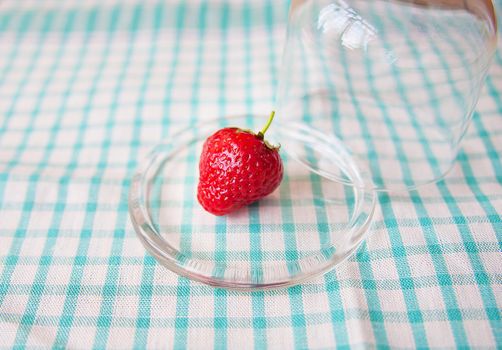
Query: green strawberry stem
column 261, row 134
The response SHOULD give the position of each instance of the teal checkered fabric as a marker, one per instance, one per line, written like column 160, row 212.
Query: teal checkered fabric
column 87, row 89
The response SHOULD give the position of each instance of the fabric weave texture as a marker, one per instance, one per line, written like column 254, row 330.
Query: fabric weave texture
column 87, row 90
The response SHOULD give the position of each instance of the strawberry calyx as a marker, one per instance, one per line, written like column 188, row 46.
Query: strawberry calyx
column 261, row 134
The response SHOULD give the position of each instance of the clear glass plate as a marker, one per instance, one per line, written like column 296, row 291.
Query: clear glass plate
column 303, row 229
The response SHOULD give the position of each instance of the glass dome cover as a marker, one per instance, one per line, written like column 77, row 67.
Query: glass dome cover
column 395, row 81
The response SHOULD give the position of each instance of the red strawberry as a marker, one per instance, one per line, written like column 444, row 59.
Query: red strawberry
column 237, row 167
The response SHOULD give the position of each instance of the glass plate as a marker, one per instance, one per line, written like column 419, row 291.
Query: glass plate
column 303, row 229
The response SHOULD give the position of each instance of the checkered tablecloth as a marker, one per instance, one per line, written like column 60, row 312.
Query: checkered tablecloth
column 86, row 89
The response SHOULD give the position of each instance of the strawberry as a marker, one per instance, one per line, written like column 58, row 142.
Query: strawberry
column 237, row 167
